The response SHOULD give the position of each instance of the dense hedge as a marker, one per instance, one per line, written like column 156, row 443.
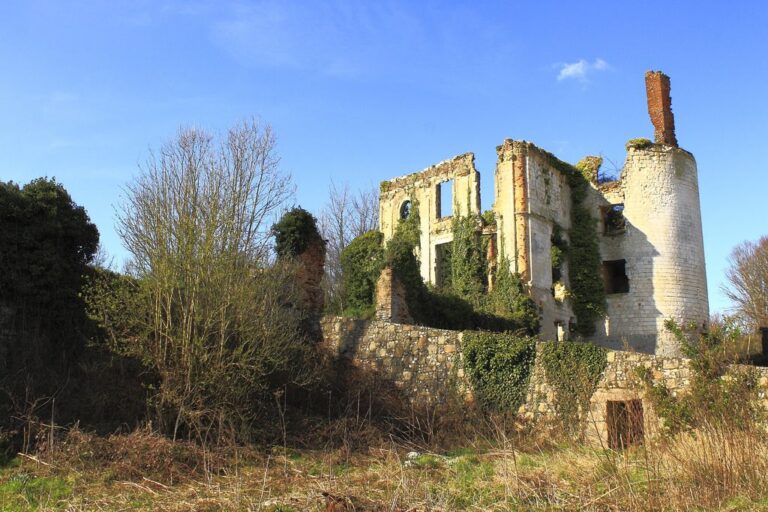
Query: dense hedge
column 499, row 367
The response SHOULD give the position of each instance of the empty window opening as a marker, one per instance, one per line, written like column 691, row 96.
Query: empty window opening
column 445, row 199
column 615, row 276
column 443, row 256
column 625, row 423
column 405, row 209
column 614, row 222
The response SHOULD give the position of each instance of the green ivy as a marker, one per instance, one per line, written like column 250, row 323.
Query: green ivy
column 294, row 232
column 573, row 369
column 361, row 264
column 499, row 367
column 468, row 266
column 557, row 252
column 489, row 217
column 463, row 305
column 586, row 285
column 509, row 300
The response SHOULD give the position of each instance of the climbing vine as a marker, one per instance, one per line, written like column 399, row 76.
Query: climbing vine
column 583, row 254
column 573, row 370
column 558, row 251
column 509, row 300
column 499, row 367
column 468, row 267
column 361, row 263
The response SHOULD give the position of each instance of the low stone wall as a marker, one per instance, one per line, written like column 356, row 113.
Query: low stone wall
column 618, row 383
column 427, row 365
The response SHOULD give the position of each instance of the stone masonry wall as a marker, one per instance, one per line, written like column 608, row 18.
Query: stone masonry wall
column 424, row 188
column 618, row 383
column 663, row 247
column 427, row 365
column 424, row 363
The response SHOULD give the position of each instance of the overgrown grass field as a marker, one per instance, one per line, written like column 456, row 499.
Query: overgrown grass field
column 710, row 469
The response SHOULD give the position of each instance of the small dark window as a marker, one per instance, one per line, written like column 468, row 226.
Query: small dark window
column 405, row 210
column 615, row 276
column 445, row 199
column 625, row 423
column 614, row 222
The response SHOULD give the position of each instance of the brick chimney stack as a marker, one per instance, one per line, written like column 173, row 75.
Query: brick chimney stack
column 660, row 107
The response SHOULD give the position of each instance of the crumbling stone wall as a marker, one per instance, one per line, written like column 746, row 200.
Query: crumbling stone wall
column 311, row 267
column 391, row 303
column 427, row 365
column 661, row 246
column 423, row 188
column 531, row 198
column 618, row 383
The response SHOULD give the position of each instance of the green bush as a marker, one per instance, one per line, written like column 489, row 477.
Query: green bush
column 573, row 369
column 464, row 304
column 509, row 301
column 718, row 393
column 361, row 263
column 294, row 232
column 499, row 367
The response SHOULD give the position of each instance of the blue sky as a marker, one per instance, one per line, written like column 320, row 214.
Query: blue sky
column 361, row 91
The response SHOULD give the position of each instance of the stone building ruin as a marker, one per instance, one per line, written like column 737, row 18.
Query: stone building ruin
column 648, row 225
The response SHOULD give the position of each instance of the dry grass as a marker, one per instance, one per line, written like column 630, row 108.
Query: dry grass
column 714, row 469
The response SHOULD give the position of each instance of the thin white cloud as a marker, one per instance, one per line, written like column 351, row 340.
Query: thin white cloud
column 580, row 70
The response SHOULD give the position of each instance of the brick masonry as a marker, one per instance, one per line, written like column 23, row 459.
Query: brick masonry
column 660, row 107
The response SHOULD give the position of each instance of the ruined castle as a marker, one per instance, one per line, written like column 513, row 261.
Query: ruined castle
column 648, row 224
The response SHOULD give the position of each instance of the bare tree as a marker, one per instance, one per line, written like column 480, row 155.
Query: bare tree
column 211, row 312
column 748, row 281
column 345, row 216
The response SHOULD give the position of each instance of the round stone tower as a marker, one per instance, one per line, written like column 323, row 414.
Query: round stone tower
column 661, row 202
